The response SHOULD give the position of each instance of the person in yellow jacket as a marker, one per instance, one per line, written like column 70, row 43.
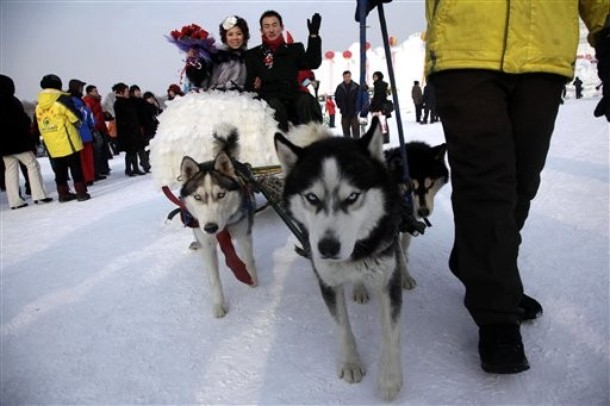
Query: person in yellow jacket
column 57, row 122
column 499, row 68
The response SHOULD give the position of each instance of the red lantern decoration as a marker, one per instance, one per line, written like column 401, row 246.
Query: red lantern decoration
column 347, row 54
column 329, row 55
column 393, row 41
column 367, row 46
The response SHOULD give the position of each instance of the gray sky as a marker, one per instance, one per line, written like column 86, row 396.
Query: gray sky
column 104, row 42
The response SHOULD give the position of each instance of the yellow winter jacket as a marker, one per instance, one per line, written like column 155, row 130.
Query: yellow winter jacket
column 512, row 36
column 57, row 124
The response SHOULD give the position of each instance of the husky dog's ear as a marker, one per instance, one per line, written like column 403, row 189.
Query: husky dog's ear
column 287, row 152
column 188, row 168
column 226, row 138
column 373, row 140
column 223, row 164
column 439, row 152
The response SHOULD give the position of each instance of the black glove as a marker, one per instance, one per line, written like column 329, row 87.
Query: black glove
column 602, row 53
column 313, row 25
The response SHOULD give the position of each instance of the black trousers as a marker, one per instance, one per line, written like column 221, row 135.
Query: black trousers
column 418, row 110
column 302, row 109
column 498, row 129
column 63, row 164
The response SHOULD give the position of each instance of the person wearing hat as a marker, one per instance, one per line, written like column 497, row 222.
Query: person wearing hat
column 16, row 146
column 58, row 121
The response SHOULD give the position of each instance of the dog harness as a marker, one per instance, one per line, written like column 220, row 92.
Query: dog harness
column 232, row 260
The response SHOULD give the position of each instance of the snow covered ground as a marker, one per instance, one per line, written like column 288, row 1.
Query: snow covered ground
column 103, row 303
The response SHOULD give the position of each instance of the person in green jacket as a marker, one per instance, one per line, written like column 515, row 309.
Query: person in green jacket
column 499, row 68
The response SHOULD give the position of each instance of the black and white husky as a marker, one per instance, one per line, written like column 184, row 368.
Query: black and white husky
column 215, row 195
column 340, row 192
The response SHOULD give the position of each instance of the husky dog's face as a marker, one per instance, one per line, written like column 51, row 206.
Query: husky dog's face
column 427, row 170
column 339, row 190
column 211, row 192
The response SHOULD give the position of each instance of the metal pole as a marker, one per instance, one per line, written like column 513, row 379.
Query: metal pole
column 411, row 224
column 388, row 57
column 363, row 91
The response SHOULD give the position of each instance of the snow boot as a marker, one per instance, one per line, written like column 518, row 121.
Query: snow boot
column 501, row 349
column 63, row 191
column 81, row 191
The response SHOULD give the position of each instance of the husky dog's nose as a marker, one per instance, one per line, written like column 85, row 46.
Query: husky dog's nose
column 423, row 212
column 329, row 248
column 210, row 228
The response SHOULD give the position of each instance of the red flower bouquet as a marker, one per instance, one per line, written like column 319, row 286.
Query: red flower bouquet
column 193, row 37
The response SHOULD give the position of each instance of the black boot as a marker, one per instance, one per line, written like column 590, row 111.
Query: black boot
column 81, row 191
column 63, row 191
column 501, row 349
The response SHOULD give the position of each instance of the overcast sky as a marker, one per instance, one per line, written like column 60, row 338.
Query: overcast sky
column 104, row 42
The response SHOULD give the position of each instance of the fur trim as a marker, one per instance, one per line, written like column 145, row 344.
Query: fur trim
column 187, row 127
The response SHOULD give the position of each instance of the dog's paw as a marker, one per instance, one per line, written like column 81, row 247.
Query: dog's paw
column 360, row 294
column 408, row 282
column 389, row 389
column 219, row 311
column 390, row 379
column 351, row 372
column 254, row 276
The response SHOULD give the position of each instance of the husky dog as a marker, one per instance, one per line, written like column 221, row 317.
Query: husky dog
column 428, row 173
column 214, row 194
column 341, row 194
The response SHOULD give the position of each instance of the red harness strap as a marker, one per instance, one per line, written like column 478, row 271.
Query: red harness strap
column 235, row 264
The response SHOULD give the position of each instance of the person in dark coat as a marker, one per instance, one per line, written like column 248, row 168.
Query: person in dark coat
column 418, row 100
column 147, row 125
column 128, row 128
column 17, row 146
column 346, row 97
column 380, row 93
column 154, row 109
column 578, row 87
column 429, row 99
column 378, row 103
column 272, row 69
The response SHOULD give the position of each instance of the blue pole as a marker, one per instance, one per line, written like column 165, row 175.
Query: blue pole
column 363, row 92
column 388, row 57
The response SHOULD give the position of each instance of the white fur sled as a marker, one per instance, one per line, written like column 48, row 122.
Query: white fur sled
column 187, row 125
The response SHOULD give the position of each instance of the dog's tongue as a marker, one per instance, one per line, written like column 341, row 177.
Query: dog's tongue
column 231, row 259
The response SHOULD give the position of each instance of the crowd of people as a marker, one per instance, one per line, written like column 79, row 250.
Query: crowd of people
column 77, row 135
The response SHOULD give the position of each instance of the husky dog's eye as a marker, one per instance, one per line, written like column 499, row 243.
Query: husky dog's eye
column 352, row 198
column 220, row 195
column 312, row 199
column 197, row 197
